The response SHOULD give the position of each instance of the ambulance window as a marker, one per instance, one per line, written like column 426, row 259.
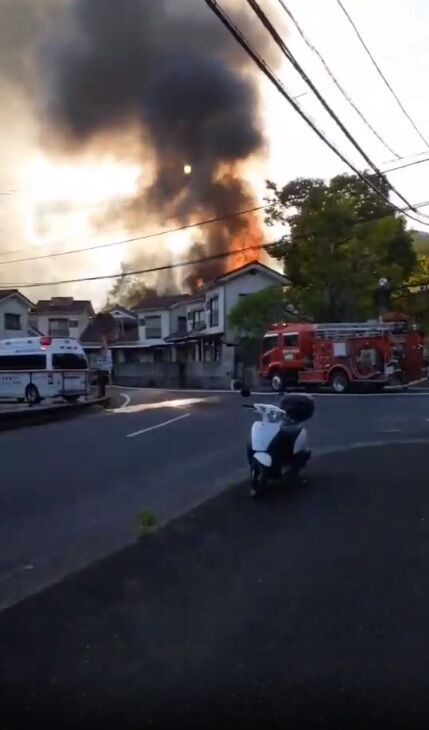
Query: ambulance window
column 270, row 342
column 290, row 340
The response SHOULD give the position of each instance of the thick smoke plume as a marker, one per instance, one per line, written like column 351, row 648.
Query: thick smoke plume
column 170, row 71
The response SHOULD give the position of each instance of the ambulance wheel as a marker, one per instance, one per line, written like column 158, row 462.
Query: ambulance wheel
column 32, row 395
column 277, row 382
column 339, row 381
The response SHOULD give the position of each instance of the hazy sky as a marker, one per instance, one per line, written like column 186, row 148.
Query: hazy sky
column 397, row 31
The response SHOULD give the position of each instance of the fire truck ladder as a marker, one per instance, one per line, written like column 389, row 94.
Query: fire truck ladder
column 351, row 330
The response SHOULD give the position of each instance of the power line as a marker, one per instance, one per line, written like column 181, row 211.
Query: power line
column 331, row 74
column 162, row 232
column 269, row 73
column 381, row 74
column 297, row 66
column 409, row 164
column 154, row 269
column 223, row 254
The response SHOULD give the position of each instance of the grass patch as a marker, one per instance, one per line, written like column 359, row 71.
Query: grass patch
column 148, row 523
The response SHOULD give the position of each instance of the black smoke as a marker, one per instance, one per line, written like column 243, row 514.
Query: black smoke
column 170, row 69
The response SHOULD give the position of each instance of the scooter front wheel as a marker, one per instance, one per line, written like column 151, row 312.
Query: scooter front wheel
column 258, row 480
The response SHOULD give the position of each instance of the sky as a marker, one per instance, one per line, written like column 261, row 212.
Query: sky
column 397, row 32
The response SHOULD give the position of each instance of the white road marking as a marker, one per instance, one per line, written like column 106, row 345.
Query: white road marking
column 126, row 398
column 390, row 430
column 416, row 382
column 158, row 425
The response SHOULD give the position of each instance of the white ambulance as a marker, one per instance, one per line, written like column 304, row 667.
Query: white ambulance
column 34, row 368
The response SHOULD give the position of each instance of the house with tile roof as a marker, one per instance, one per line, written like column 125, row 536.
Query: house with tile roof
column 14, row 314
column 183, row 340
column 62, row 316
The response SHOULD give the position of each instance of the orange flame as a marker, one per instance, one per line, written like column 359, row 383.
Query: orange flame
column 242, row 251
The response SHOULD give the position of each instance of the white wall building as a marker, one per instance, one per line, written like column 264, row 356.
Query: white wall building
column 186, row 339
column 62, row 316
column 14, row 314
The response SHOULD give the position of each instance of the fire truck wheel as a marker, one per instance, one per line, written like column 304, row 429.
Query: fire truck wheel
column 277, row 382
column 339, row 381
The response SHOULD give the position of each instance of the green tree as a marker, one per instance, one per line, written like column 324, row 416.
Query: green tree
column 251, row 317
column 343, row 238
column 413, row 298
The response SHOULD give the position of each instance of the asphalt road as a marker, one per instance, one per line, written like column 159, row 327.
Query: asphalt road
column 71, row 492
column 306, row 609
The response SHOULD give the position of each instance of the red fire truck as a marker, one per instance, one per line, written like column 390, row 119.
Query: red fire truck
column 342, row 355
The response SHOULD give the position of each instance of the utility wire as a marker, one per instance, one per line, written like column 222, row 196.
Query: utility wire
column 332, row 76
column 154, row 269
column 381, row 74
column 409, row 164
column 297, row 66
column 265, row 68
column 162, row 232
column 166, row 267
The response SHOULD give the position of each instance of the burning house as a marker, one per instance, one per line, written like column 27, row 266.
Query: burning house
column 182, row 340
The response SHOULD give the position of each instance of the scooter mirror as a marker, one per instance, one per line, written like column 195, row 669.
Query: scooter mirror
column 245, row 392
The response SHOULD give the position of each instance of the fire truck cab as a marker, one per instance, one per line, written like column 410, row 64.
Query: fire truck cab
column 342, row 355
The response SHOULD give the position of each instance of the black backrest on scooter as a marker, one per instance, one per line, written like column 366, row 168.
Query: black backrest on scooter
column 298, row 406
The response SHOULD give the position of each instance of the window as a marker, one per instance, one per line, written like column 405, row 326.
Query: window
column 213, row 306
column 290, row 340
column 12, row 321
column 198, row 319
column 142, row 321
column 73, row 323
column 153, row 327
column 69, row 361
column 59, row 327
column 197, row 354
column 269, row 343
column 212, row 350
column 181, row 324
column 23, row 362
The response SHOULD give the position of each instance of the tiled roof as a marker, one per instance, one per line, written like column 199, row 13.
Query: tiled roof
column 241, row 269
column 63, row 304
column 181, row 335
column 105, row 327
column 163, row 302
column 5, row 293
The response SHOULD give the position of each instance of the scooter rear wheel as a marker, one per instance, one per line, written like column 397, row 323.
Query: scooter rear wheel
column 258, row 480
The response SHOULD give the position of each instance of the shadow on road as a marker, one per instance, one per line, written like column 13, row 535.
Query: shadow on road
column 309, row 606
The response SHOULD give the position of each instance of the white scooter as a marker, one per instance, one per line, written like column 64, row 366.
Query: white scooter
column 278, row 443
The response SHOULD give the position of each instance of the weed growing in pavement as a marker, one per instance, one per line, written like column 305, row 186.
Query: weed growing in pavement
column 148, row 523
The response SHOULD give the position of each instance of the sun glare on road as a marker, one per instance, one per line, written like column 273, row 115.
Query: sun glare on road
column 177, row 403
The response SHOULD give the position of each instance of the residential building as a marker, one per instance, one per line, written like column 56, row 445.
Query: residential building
column 183, row 340
column 62, row 316
column 113, row 330
column 14, row 314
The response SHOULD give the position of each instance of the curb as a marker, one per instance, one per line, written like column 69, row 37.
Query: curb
column 13, row 418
